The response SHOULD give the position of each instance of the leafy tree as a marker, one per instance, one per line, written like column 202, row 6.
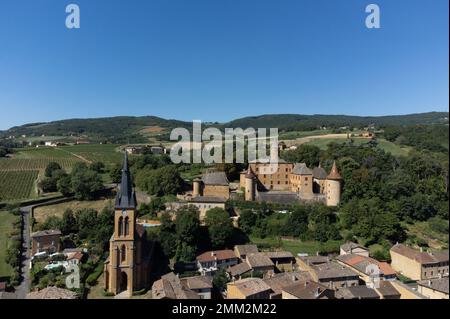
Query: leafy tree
column 64, row 186
column 220, row 228
column 220, row 280
column 308, row 154
column 167, row 236
column 68, row 223
column 162, row 181
column 247, row 220
column 87, row 223
column 297, row 223
column 85, row 183
column 187, row 228
column 52, row 166
column 116, row 173
column 97, row 166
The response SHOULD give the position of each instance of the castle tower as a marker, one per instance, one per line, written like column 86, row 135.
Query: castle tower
column 123, row 255
column 196, row 187
column 249, row 185
column 333, row 187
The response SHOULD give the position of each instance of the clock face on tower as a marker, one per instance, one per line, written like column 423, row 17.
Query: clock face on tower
column 124, row 212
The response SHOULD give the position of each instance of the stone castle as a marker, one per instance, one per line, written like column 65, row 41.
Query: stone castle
column 291, row 181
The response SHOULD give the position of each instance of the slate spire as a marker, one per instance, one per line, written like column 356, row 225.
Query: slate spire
column 126, row 197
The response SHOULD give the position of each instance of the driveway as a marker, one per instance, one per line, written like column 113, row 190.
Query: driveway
column 24, row 287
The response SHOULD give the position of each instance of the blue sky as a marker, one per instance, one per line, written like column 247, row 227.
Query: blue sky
column 220, row 59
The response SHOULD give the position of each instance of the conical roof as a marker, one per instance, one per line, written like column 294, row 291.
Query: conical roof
column 125, row 198
column 334, row 173
column 249, row 173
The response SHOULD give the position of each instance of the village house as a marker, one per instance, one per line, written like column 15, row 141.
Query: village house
column 279, row 281
column 434, row 288
column 307, row 290
column 259, row 262
column 367, row 267
column 386, row 290
column 205, row 203
column 333, row 275
column 419, row 265
column 209, row 262
column 46, row 241
column 353, row 248
column 281, row 259
column 249, row 288
column 406, row 291
column 236, row 272
column 170, row 287
column 241, row 251
column 358, row 292
column 202, row 285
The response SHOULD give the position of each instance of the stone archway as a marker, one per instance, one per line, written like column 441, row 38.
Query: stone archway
column 123, row 281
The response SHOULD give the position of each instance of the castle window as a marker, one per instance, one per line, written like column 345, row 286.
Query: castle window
column 127, row 226
column 120, row 226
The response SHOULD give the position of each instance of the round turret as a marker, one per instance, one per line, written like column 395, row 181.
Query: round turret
column 249, row 185
column 333, row 187
column 196, row 187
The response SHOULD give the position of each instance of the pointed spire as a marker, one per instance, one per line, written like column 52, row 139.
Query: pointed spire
column 126, row 198
column 334, row 173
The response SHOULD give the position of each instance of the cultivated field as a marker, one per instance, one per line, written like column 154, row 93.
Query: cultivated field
column 106, row 153
column 17, row 184
column 18, row 174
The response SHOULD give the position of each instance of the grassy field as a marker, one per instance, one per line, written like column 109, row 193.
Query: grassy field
column 41, row 213
column 6, row 226
column 296, row 246
column 17, row 184
column 300, row 134
column 421, row 231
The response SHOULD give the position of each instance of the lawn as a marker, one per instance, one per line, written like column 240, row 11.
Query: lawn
column 296, row 246
column 6, row 227
column 41, row 213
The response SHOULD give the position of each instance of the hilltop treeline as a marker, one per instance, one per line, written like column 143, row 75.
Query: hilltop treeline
column 127, row 129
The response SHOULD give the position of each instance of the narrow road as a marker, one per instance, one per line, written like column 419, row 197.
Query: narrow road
column 24, row 287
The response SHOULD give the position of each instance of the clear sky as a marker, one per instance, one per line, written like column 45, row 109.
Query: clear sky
column 220, row 59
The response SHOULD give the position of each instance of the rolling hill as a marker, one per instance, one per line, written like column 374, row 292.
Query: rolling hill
column 133, row 129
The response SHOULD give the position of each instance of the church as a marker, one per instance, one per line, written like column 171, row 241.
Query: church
column 128, row 266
